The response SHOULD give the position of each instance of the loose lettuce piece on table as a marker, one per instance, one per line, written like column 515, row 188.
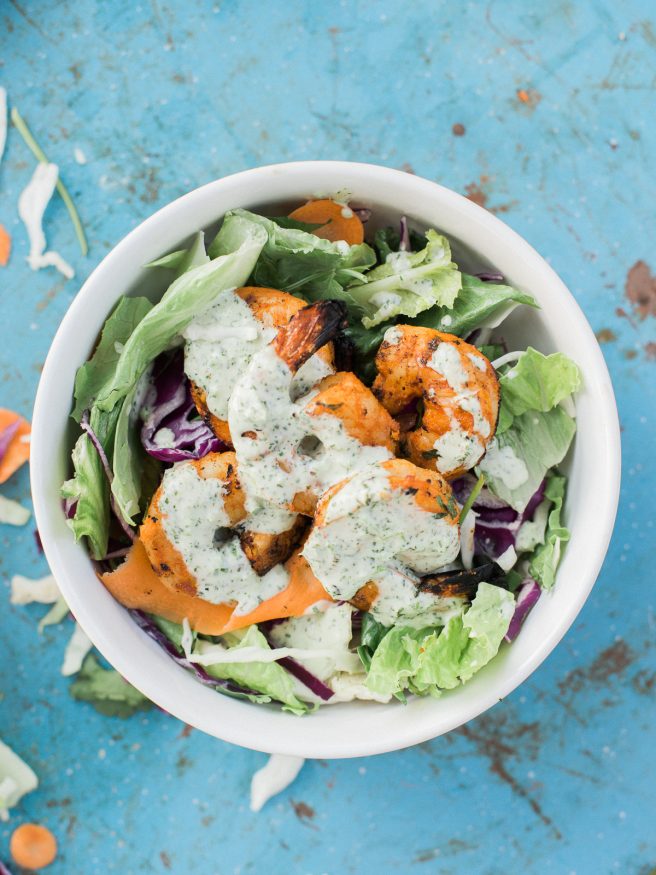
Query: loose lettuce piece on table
column 106, row 690
column 408, row 283
column 427, row 661
column 544, row 562
column 239, row 244
column 16, row 779
column 267, row 678
column 478, row 305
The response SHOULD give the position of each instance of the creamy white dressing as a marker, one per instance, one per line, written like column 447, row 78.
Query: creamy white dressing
column 192, row 509
column 221, row 342
column 164, row 438
column 398, row 261
column 269, row 520
column 281, row 449
column 456, row 448
column 446, row 321
column 400, row 601
column 447, row 363
column 502, row 464
column 393, row 336
column 347, row 213
column 369, row 529
column 32, row 204
column 478, row 360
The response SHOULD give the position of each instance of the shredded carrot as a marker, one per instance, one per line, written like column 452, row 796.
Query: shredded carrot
column 338, row 222
column 33, row 846
column 523, row 95
column 135, row 585
column 18, row 451
column 5, row 245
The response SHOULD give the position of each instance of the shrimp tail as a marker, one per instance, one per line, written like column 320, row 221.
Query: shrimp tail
column 310, row 329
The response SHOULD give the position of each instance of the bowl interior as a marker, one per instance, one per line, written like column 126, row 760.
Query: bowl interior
column 480, row 241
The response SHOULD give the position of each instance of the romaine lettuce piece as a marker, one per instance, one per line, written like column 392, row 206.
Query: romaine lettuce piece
column 517, row 460
column 478, row 305
column 183, row 260
column 268, row 678
column 106, row 690
column 427, row 661
column 16, row 779
column 544, row 561
column 538, row 382
column 408, row 283
column 240, row 242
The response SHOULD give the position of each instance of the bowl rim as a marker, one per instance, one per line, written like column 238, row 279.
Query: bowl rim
column 403, row 733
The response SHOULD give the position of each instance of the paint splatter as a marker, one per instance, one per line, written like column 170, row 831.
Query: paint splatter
column 606, row 335
column 476, row 193
column 303, row 811
column 479, row 193
column 528, row 97
column 166, row 860
column 611, row 662
column 518, row 738
column 640, row 289
column 650, row 351
column 458, row 130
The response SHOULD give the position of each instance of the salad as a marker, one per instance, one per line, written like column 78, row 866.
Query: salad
column 313, row 471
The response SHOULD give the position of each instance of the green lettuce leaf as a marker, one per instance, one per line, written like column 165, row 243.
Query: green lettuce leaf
column 89, row 486
column 183, row 260
column 544, row 561
column 408, row 283
column 427, row 661
column 518, row 459
column 538, row 382
column 478, row 305
column 239, row 244
column 301, row 263
column 267, row 678
column 98, row 371
column 16, row 779
column 105, row 689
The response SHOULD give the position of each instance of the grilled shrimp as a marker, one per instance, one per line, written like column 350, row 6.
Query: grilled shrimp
column 220, row 343
column 377, row 532
column 459, row 390
column 200, row 539
column 291, row 450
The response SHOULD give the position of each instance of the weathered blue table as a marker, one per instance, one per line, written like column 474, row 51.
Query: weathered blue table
column 545, row 117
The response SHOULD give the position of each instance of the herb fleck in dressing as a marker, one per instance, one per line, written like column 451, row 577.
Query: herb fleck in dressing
column 192, row 509
column 220, row 343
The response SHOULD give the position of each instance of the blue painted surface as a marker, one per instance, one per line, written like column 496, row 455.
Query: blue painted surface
column 162, row 97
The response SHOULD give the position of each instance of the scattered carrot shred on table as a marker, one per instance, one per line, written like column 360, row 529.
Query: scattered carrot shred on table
column 5, row 245
column 33, row 846
column 18, row 451
column 523, row 95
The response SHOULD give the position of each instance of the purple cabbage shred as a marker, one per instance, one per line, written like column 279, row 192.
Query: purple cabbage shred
column 528, row 594
column 490, row 276
column 363, row 213
column 404, row 233
column 172, row 430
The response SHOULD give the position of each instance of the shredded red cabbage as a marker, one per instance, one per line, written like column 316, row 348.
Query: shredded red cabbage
column 7, row 435
column 363, row 213
column 497, row 523
column 172, row 430
column 527, row 596
column 299, row 671
column 404, row 234
column 3, row 869
column 490, row 276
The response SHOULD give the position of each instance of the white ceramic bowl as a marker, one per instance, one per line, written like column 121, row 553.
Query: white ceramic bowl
column 480, row 240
